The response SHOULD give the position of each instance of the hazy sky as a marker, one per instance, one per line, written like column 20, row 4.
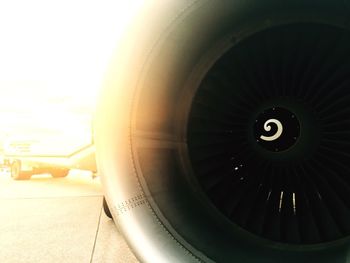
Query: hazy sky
column 58, row 48
column 53, row 55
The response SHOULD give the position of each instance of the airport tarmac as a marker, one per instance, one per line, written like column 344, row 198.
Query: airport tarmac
column 59, row 220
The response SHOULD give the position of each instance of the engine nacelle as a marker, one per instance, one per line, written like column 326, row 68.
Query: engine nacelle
column 222, row 133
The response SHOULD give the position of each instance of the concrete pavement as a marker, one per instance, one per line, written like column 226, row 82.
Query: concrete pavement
column 58, row 220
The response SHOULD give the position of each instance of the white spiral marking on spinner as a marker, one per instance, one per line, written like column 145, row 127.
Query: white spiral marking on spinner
column 267, row 128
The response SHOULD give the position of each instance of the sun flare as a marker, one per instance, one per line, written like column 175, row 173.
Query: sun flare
column 53, row 55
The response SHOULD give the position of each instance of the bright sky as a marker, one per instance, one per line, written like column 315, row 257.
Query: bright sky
column 53, row 55
column 59, row 46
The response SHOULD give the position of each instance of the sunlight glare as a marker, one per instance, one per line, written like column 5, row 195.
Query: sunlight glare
column 53, row 55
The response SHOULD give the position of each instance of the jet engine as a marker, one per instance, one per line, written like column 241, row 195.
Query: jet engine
column 223, row 132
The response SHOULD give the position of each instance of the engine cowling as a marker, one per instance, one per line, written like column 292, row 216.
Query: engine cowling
column 222, row 135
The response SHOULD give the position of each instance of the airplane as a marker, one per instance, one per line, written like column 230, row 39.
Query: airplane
column 36, row 146
column 221, row 133
column 24, row 163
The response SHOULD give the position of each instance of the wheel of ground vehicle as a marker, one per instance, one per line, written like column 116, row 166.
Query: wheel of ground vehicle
column 17, row 173
column 106, row 208
column 222, row 134
column 59, row 172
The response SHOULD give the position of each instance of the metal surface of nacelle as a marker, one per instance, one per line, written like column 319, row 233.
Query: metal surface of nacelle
column 222, row 133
